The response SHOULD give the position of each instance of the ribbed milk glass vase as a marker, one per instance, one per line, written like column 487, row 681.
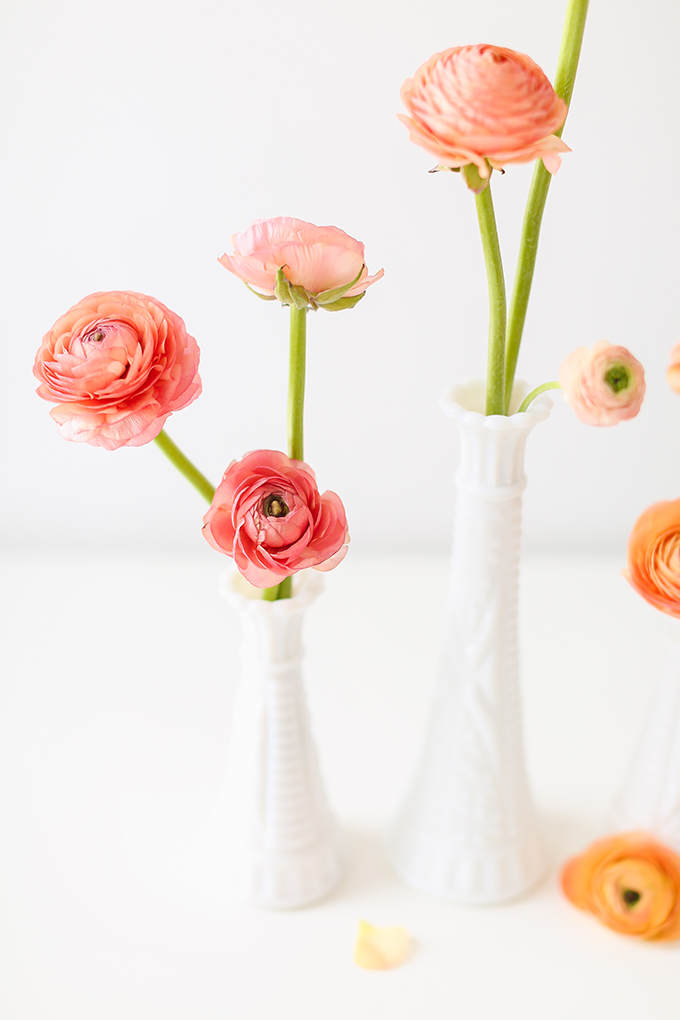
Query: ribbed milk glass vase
column 284, row 840
column 467, row 829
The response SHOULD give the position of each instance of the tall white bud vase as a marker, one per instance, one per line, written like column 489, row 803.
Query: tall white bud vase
column 649, row 799
column 467, row 830
column 283, row 842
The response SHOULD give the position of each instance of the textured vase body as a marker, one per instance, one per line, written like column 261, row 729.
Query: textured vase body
column 649, row 799
column 467, row 830
column 283, row 838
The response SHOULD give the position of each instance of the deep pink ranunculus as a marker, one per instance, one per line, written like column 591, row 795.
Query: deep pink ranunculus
column 117, row 365
column 603, row 386
column 318, row 260
column 269, row 516
column 471, row 104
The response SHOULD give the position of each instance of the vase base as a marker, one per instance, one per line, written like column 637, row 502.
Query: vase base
column 471, row 877
column 288, row 881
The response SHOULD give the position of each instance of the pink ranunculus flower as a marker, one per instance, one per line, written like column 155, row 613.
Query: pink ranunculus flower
column 673, row 371
column 323, row 266
column 603, row 386
column 471, row 104
column 117, row 365
column 269, row 516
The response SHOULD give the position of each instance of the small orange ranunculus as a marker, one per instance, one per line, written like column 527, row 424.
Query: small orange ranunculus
column 673, row 371
column 654, row 556
column 630, row 883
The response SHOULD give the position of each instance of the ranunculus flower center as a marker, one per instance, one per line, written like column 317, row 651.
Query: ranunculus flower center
column 618, row 378
column 275, row 506
column 631, row 897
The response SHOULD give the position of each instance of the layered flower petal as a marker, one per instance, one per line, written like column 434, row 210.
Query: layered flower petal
column 314, row 259
column 630, row 882
column 269, row 516
column 117, row 365
column 603, row 386
column 473, row 104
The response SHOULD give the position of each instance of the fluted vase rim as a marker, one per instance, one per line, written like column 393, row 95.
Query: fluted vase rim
column 307, row 586
column 464, row 402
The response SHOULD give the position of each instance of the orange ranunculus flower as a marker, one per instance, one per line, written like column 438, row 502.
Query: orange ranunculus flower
column 673, row 371
column 471, row 104
column 654, row 556
column 629, row 882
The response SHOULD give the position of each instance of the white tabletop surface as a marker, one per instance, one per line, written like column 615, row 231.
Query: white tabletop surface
column 118, row 679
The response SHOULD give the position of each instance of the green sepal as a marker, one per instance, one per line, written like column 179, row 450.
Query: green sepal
column 443, row 166
column 474, row 181
column 327, row 297
column 262, row 297
column 343, row 302
column 288, row 293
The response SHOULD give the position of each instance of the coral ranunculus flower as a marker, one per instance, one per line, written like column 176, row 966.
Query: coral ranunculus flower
column 603, row 386
column 629, row 882
column 270, row 517
column 654, row 556
column 673, row 371
column 471, row 104
column 323, row 267
column 117, row 365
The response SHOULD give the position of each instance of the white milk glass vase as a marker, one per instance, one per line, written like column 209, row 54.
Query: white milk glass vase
column 467, row 829
column 649, row 798
column 283, row 842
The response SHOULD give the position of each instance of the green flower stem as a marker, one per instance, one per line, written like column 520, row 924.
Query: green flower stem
column 296, row 381
column 567, row 64
column 496, row 284
column 296, row 410
column 284, row 590
column 530, row 397
column 184, row 465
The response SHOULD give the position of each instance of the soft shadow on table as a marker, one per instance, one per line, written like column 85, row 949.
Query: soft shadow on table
column 367, row 866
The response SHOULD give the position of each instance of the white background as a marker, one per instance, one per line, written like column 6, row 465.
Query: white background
column 140, row 135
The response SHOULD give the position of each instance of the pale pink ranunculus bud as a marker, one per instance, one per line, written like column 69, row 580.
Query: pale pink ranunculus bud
column 471, row 104
column 117, row 365
column 654, row 556
column 323, row 267
column 673, row 371
column 603, row 386
column 269, row 516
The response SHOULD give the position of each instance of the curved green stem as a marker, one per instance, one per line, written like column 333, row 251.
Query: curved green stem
column 184, row 465
column 567, row 64
column 496, row 283
column 530, row 397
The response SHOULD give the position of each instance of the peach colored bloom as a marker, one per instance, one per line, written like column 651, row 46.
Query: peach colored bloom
column 629, row 882
column 654, row 556
column 673, row 372
column 324, row 264
column 269, row 516
column 603, row 386
column 117, row 365
column 471, row 104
